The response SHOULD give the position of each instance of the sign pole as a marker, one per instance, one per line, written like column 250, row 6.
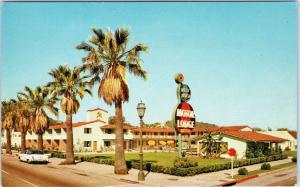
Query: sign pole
column 179, row 146
column 184, row 118
column 232, row 153
column 231, row 166
column 179, row 138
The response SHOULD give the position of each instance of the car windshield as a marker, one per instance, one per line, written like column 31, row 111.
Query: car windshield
column 30, row 152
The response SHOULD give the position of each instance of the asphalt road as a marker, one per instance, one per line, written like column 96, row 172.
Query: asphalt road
column 272, row 178
column 20, row 174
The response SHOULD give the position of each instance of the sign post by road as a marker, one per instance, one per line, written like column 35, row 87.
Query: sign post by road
column 185, row 119
column 232, row 153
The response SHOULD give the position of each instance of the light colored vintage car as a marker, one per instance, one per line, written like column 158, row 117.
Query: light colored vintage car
column 34, row 156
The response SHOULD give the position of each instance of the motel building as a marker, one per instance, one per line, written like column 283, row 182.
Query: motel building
column 291, row 136
column 240, row 140
column 96, row 135
column 93, row 135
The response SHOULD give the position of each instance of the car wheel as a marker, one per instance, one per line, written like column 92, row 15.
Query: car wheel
column 28, row 161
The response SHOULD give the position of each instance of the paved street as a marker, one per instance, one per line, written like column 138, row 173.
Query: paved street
column 15, row 173
column 272, row 178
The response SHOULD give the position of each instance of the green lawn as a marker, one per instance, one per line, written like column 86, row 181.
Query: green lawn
column 164, row 158
column 255, row 172
column 290, row 153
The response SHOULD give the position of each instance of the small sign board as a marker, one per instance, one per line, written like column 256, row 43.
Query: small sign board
column 184, row 93
column 231, row 152
column 185, row 118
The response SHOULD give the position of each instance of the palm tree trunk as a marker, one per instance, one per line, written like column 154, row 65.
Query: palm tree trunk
column 40, row 141
column 70, row 153
column 120, row 164
column 8, row 141
column 23, row 142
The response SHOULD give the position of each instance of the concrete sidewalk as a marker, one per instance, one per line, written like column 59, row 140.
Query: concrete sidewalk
column 157, row 179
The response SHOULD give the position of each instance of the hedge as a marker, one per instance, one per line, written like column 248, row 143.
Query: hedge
column 178, row 171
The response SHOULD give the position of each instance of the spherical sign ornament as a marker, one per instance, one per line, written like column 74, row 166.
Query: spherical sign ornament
column 185, row 118
column 231, row 152
column 179, row 78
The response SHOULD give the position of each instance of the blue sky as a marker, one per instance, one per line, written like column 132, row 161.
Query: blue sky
column 239, row 59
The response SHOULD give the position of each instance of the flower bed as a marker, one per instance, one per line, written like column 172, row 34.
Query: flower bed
column 190, row 171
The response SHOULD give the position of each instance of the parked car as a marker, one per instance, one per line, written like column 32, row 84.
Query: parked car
column 34, row 156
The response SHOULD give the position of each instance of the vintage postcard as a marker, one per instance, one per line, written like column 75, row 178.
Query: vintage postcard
column 149, row 93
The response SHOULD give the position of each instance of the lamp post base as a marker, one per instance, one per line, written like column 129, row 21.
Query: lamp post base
column 141, row 176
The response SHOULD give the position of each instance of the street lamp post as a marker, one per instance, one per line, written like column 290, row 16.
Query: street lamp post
column 141, row 111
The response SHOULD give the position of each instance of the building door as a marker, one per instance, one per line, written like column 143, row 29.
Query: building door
column 95, row 146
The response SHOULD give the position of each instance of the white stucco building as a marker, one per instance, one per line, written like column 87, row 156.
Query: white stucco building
column 289, row 135
column 92, row 135
column 239, row 141
column 95, row 134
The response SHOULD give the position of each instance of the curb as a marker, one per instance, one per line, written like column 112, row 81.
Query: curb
column 129, row 181
column 246, row 178
column 229, row 183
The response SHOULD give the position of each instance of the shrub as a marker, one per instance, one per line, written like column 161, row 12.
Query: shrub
column 243, row 171
column 294, row 159
column 148, row 167
column 184, row 163
column 265, row 166
column 128, row 164
column 182, row 166
column 287, row 149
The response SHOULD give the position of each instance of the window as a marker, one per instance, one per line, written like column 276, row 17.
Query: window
column 155, row 133
column 87, row 130
column 143, row 133
column 170, row 134
column 87, row 144
column 49, row 131
column 109, row 131
column 161, row 133
column 99, row 115
column 107, row 143
column 58, row 131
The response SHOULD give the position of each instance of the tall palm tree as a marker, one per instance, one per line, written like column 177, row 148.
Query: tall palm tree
column 8, row 117
column 24, row 118
column 68, row 84
column 108, row 55
column 41, row 101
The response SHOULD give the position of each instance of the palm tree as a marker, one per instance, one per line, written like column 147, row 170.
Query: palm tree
column 24, row 118
column 68, row 84
column 41, row 101
column 8, row 121
column 108, row 55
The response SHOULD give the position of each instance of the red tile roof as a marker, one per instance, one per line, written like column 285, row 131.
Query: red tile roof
column 204, row 129
column 233, row 128
column 253, row 136
column 293, row 133
column 63, row 125
column 154, row 129
column 91, row 110
column 113, row 126
column 196, row 129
